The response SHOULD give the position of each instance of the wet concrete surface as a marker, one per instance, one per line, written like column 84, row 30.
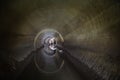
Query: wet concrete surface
column 90, row 29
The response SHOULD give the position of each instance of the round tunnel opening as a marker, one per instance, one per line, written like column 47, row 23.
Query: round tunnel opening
column 48, row 59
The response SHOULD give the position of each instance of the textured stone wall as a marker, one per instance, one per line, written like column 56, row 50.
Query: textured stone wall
column 90, row 29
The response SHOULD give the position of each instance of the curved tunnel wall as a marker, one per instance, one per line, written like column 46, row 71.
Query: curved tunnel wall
column 90, row 29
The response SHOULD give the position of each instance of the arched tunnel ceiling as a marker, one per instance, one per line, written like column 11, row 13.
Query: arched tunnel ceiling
column 90, row 29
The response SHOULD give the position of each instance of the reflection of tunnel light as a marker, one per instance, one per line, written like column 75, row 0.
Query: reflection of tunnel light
column 52, row 44
column 48, row 59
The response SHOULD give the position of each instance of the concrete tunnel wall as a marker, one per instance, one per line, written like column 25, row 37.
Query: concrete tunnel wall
column 90, row 29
